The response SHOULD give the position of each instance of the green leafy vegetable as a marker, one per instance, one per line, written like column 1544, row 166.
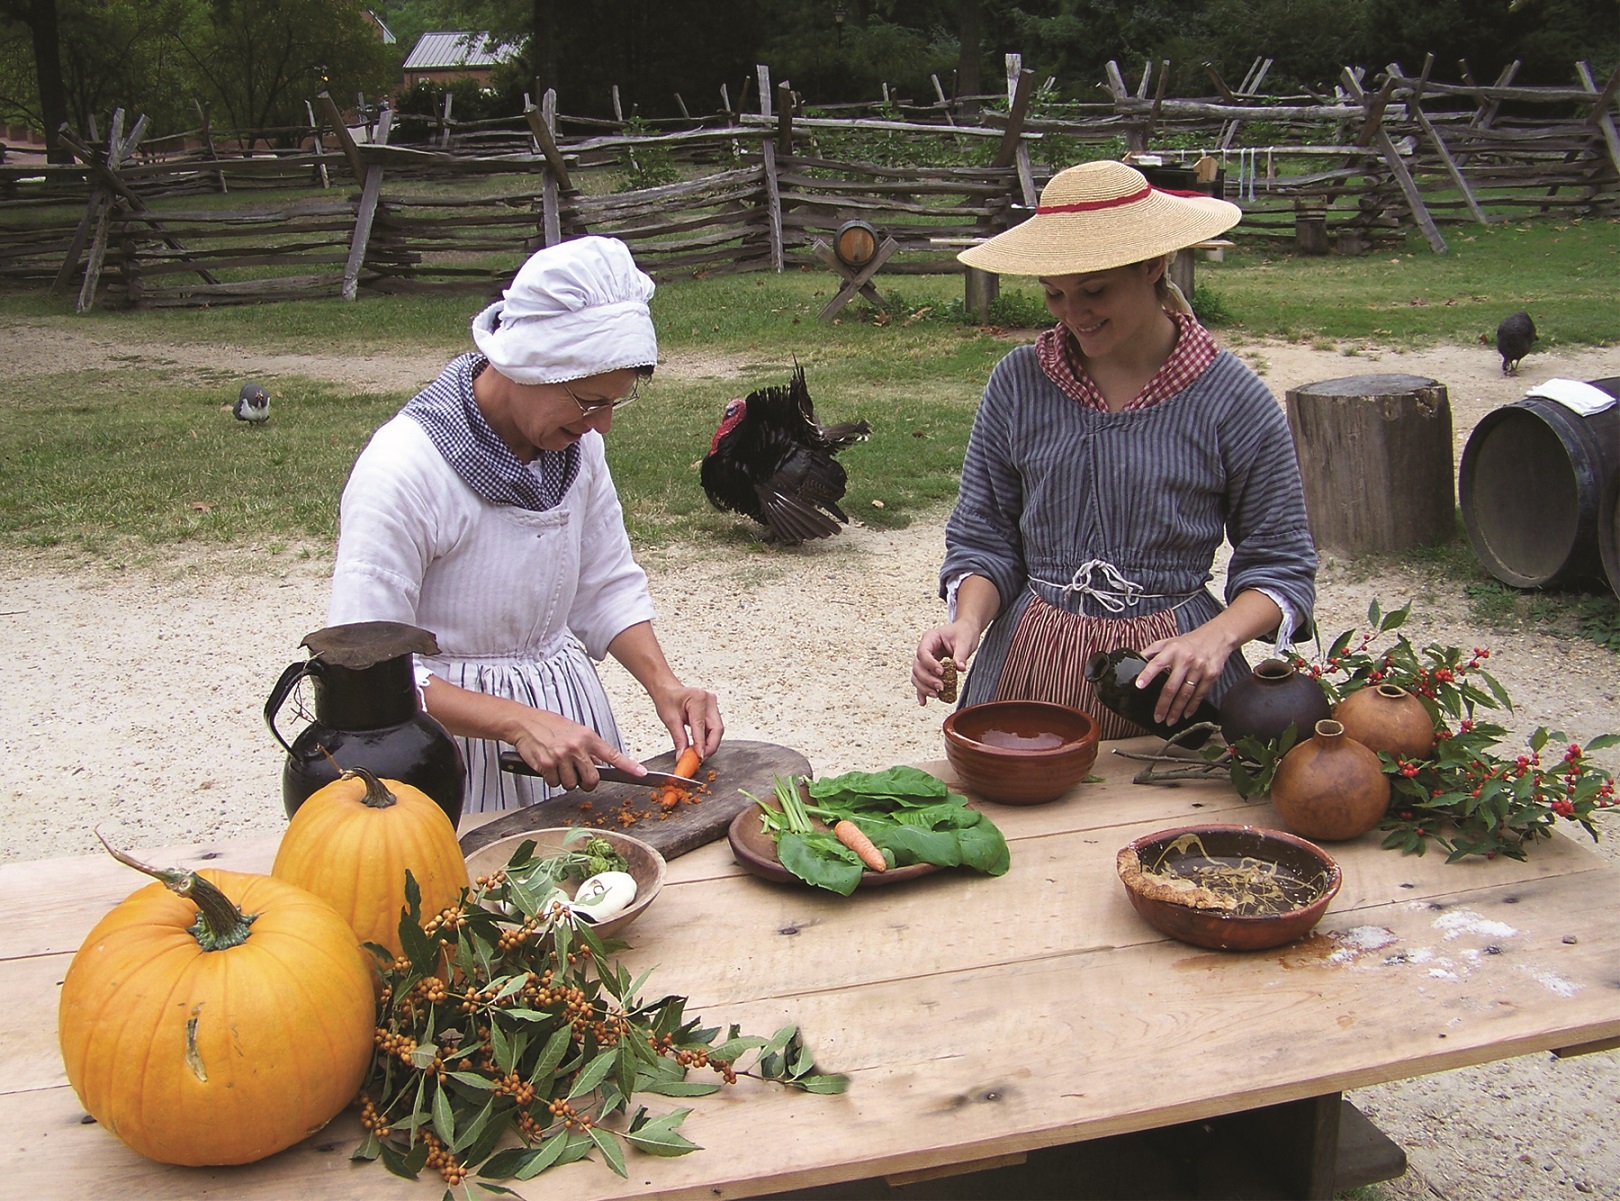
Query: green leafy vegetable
column 911, row 816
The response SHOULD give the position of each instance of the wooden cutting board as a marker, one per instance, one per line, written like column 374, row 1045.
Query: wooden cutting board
column 737, row 764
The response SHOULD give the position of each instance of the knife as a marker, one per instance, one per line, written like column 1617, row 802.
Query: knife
column 513, row 762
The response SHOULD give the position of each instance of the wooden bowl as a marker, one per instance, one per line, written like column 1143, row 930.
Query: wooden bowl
column 1260, row 888
column 1020, row 752
column 645, row 865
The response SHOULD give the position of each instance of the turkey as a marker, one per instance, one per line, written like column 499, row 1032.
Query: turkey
column 771, row 461
column 1513, row 340
column 252, row 404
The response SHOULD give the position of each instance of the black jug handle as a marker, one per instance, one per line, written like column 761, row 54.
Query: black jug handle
column 279, row 694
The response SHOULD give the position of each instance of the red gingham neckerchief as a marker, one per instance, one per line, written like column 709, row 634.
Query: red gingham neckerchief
column 1194, row 351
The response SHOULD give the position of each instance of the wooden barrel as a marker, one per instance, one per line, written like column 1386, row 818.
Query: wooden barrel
column 855, row 243
column 1609, row 535
column 1532, row 485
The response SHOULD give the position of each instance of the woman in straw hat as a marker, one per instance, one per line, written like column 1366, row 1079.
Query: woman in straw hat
column 485, row 513
column 1106, row 464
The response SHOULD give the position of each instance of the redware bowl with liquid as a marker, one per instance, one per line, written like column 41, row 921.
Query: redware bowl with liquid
column 1020, row 752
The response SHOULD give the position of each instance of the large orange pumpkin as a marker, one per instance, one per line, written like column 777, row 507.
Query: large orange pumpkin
column 216, row 1017
column 352, row 842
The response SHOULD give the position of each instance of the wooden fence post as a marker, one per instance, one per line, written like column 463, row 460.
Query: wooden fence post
column 1134, row 140
column 318, row 146
column 773, row 190
column 784, row 117
column 1375, row 455
column 555, row 175
column 340, row 129
column 1415, row 111
column 1375, row 136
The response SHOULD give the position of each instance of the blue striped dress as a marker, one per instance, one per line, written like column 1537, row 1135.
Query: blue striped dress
column 1116, row 518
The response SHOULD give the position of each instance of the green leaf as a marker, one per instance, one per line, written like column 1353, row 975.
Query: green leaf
column 422, row 951
column 528, row 1015
column 808, row 857
column 826, row 1083
column 511, row 987
column 395, row 1162
column 500, row 1046
column 467, row 1134
column 444, row 1118
column 913, row 843
column 659, row 1136
column 681, row 1088
column 576, row 1146
column 472, row 1080
column 984, row 848
column 593, row 1074
column 370, row 1147
column 551, row 1055
column 901, row 784
column 548, row 1153
column 422, row 1057
column 612, row 1153
column 733, row 1047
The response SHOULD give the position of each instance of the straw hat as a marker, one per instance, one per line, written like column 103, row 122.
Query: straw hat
column 1101, row 215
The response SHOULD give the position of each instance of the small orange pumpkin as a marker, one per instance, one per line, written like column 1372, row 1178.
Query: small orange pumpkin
column 216, row 1017
column 352, row 842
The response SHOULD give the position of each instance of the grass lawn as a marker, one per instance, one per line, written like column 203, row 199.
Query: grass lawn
column 159, row 466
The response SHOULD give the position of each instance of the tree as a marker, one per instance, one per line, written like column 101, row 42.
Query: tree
column 40, row 19
column 261, row 59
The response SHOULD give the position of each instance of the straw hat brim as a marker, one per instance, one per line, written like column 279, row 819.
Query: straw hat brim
column 1075, row 243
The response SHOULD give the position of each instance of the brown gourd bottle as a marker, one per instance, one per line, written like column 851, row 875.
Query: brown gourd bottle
column 1330, row 787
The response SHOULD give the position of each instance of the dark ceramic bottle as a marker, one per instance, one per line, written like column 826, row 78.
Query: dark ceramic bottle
column 367, row 714
column 1388, row 718
column 1271, row 698
column 1113, row 678
column 1330, row 786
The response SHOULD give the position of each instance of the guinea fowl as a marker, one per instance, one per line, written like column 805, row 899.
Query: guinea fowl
column 1514, row 338
column 771, row 461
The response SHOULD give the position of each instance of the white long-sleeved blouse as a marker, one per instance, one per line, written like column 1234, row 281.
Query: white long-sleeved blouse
column 520, row 601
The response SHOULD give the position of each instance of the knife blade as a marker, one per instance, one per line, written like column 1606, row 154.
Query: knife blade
column 513, row 762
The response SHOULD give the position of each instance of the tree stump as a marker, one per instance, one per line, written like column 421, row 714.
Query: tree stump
column 1375, row 455
column 1310, row 225
column 979, row 291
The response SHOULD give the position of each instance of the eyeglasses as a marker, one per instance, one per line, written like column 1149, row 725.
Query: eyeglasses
column 587, row 408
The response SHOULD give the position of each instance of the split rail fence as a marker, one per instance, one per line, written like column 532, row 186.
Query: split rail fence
column 153, row 224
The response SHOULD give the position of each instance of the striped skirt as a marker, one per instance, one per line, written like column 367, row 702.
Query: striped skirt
column 565, row 682
column 1046, row 659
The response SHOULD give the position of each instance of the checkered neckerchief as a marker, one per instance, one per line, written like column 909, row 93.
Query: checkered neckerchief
column 1194, row 351
column 450, row 415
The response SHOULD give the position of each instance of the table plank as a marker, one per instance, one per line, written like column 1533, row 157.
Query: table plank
column 956, row 1066
column 977, row 1017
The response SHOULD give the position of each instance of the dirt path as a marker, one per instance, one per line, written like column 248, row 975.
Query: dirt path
column 135, row 699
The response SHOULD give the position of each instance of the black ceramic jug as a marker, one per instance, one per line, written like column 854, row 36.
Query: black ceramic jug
column 1113, row 677
column 367, row 714
column 1271, row 698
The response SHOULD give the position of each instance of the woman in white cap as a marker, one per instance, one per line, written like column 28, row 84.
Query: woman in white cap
column 484, row 512
column 1106, row 464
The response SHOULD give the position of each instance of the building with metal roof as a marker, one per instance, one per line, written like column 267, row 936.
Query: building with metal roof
column 459, row 55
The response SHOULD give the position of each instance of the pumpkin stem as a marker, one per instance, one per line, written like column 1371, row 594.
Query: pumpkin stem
column 377, row 794
column 220, row 923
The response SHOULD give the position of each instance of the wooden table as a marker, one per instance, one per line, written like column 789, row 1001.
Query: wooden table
column 979, row 1019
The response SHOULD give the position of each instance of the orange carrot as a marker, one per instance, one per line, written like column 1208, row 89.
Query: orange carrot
column 851, row 835
column 691, row 759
